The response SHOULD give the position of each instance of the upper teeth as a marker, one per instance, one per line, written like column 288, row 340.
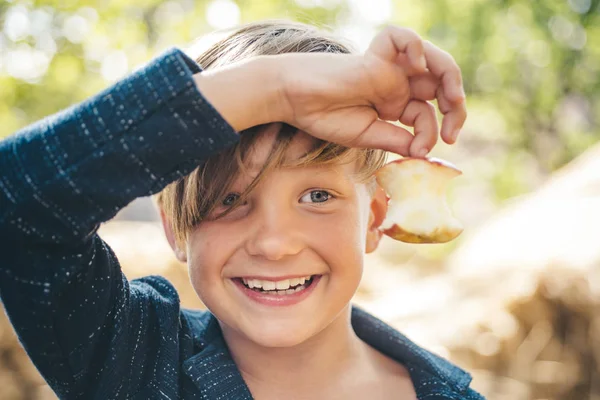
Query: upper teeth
column 272, row 285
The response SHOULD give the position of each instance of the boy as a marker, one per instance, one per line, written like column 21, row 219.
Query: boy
column 273, row 222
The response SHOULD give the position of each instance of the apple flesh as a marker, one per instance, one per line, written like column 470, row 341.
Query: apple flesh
column 417, row 208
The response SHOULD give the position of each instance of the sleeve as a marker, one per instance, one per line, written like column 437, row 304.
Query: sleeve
column 75, row 313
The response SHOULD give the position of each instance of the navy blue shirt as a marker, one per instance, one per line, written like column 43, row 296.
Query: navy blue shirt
column 92, row 333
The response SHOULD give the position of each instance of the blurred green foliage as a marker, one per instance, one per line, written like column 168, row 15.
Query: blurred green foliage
column 531, row 70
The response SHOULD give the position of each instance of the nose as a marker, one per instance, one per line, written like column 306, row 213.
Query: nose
column 276, row 233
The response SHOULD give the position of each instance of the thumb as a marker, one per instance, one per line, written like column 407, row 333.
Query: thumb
column 386, row 136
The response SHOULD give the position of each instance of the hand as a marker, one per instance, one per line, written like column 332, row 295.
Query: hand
column 348, row 99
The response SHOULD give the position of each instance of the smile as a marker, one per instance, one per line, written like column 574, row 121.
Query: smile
column 284, row 286
column 277, row 292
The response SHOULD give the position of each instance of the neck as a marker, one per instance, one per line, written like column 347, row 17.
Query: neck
column 315, row 362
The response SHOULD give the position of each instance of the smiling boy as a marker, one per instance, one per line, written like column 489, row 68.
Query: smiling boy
column 300, row 227
column 272, row 222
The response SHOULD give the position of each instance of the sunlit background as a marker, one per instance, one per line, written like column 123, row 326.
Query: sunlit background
column 516, row 299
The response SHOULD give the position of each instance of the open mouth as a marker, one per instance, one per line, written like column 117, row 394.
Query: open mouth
column 282, row 288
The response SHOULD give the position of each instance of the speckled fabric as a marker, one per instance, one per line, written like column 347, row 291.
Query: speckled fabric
column 92, row 333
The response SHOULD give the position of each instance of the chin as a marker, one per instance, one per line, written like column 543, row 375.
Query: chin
column 278, row 335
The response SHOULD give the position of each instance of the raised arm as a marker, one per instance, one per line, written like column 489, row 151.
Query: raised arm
column 75, row 313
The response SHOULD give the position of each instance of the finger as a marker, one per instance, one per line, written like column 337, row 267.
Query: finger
column 454, row 118
column 407, row 66
column 385, row 136
column 423, row 87
column 421, row 116
column 394, row 40
column 427, row 87
column 390, row 107
column 443, row 66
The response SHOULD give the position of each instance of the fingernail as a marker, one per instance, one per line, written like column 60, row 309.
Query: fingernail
column 422, row 152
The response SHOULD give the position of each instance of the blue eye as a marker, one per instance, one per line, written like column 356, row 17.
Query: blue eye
column 317, row 196
column 230, row 199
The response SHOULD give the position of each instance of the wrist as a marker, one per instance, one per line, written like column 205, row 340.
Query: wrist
column 246, row 93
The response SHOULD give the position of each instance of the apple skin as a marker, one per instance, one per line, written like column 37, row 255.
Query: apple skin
column 437, row 236
column 417, row 208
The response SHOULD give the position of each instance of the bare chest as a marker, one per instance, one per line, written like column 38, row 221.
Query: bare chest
column 386, row 388
column 391, row 389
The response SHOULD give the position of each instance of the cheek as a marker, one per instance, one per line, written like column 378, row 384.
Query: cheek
column 349, row 235
column 340, row 240
column 343, row 231
column 207, row 254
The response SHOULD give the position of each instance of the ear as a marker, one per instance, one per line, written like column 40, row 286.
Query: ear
column 376, row 216
column 168, row 228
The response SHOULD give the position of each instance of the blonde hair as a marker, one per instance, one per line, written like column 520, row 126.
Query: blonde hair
column 190, row 199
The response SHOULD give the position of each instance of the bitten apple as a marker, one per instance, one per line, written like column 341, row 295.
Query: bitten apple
column 417, row 208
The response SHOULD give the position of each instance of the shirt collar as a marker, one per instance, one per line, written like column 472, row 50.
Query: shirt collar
column 392, row 343
column 213, row 370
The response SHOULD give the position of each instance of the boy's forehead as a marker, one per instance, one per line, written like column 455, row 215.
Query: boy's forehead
column 301, row 144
